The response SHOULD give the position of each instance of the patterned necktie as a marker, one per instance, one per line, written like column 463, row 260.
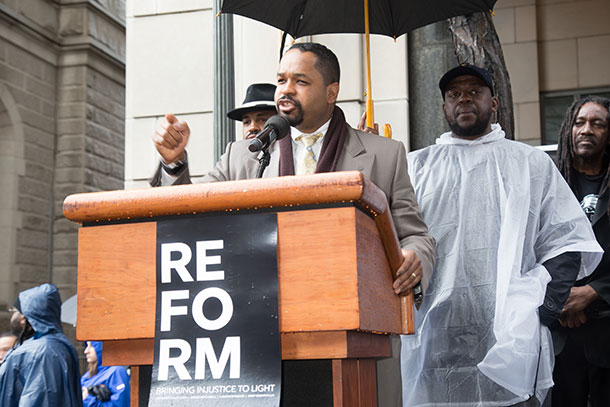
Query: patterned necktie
column 307, row 165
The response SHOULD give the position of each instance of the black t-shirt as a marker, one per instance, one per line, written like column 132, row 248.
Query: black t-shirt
column 587, row 191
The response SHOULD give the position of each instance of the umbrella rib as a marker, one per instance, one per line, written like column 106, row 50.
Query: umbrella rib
column 392, row 28
column 300, row 15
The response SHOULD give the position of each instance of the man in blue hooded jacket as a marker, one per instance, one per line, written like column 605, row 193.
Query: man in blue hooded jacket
column 43, row 369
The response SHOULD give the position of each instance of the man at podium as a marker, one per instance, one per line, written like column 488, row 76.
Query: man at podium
column 319, row 141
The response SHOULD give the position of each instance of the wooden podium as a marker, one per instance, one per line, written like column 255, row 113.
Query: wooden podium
column 337, row 251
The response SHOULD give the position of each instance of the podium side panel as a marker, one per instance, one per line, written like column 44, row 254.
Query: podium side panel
column 379, row 306
column 318, row 287
column 116, row 281
column 129, row 352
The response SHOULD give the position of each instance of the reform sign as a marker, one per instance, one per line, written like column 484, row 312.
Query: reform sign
column 217, row 337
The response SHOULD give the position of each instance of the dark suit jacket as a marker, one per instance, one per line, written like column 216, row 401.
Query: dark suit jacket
column 596, row 331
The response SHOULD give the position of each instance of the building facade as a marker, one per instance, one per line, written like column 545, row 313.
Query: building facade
column 555, row 50
column 62, row 109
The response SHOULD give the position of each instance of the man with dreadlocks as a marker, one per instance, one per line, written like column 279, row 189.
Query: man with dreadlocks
column 582, row 334
column 511, row 240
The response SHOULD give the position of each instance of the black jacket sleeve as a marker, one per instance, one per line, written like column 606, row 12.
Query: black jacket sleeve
column 563, row 270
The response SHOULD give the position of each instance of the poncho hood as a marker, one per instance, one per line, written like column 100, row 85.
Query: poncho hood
column 495, row 134
column 42, row 307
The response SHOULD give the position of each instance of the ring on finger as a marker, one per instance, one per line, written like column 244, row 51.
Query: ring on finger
column 414, row 275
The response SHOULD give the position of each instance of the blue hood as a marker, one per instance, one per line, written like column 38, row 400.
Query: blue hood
column 114, row 377
column 98, row 352
column 42, row 307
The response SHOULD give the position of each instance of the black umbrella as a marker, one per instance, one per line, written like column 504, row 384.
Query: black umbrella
column 387, row 17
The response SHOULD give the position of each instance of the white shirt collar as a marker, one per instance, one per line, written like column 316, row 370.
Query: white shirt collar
column 294, row 132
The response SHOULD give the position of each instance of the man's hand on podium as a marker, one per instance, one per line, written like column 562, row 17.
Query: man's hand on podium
column 409, row 273
column 170, row 138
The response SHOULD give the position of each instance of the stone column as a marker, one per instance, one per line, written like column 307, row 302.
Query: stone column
column 224, row 82
column 90, row 141
column 431, row 54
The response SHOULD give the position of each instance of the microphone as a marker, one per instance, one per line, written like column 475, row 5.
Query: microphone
column 276, row 127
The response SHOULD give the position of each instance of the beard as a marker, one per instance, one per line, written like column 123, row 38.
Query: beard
column 474, row 130
column 16, row 330
column 16, row 327
column 296, row 117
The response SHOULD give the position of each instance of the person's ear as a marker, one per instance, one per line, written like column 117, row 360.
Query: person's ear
column 494, row 104
column 332, row 93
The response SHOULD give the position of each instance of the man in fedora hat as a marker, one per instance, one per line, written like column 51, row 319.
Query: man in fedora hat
column 258, row 106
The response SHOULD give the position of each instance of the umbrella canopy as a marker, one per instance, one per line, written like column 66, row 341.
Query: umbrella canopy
column 387, row 17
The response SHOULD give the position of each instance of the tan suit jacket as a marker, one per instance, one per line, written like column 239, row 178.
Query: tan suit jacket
column 382, row 160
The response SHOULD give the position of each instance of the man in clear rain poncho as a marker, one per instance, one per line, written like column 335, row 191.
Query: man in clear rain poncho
column 511, row 241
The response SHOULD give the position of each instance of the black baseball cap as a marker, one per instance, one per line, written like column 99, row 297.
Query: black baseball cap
column 259, row 96
column 465, row 69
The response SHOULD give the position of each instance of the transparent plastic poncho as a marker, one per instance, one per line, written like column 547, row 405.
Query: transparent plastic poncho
column 498, row 209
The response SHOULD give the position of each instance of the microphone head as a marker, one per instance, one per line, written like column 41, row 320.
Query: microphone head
column 255, row 145
column 276, row 127
column 280, row 125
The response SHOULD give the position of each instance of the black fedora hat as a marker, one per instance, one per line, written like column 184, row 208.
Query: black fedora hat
column 259, row 96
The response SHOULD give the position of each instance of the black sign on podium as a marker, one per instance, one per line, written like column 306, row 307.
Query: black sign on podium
column 217, row 337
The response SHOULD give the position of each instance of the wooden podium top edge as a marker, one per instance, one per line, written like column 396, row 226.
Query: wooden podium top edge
column 325, row 188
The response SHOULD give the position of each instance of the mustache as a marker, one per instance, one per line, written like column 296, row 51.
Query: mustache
column 469, row 109
column 587, row 138
column 286, row 97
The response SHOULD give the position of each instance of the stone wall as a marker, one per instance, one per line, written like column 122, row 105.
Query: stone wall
column 62, row 69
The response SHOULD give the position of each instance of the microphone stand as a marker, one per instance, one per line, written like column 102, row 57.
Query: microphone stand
column 263, row 162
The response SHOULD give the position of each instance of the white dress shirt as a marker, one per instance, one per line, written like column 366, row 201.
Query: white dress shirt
column 299, row 150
